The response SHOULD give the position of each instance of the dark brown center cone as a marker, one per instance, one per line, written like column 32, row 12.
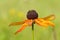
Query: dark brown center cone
column 32, row 14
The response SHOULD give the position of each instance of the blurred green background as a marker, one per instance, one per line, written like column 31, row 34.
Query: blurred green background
column 15, row 10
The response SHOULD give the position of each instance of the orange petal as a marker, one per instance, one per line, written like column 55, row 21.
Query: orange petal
column 16, row 23
column 41, row 22
column 22, row 28
column 51, row 17
column 50, row 23
column 46, row 22
column 27, row 23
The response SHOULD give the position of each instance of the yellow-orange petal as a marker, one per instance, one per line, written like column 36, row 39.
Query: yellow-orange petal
column 27, row 23
column 41, row 22
column 22, row 28
column 51, row 17
column 50, row 23
column 16, row 23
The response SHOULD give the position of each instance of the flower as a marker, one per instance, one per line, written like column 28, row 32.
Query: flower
column 32, row 16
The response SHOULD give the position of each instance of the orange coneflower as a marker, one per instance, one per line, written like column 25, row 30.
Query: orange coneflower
column 32, row 17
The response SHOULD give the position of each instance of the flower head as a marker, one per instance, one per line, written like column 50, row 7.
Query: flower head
column 32, row 16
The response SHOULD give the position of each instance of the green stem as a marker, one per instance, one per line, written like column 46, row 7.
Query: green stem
column 33, row 31
column 54, row 34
